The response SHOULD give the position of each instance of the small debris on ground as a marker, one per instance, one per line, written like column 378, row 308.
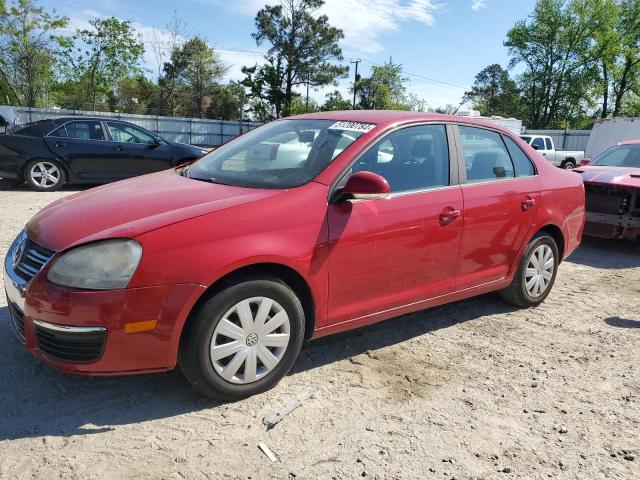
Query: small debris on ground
column 272, row 420
column 268, row 452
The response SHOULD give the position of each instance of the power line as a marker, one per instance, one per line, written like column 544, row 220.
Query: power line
column 422, row 77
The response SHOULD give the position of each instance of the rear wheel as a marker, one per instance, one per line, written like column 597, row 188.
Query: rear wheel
column 569, row 164
column 243, row 340
column 536, row 273
column 44, row 175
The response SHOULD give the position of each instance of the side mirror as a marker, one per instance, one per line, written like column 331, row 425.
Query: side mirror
column 366, row 186
column 585, row 161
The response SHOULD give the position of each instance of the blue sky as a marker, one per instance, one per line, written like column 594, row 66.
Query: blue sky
column 448, row 41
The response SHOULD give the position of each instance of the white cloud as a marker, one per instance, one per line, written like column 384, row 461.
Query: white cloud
column 478, row 4
column 363, row 22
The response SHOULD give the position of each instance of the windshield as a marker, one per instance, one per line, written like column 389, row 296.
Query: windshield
column 281, row 154
column 620, row 156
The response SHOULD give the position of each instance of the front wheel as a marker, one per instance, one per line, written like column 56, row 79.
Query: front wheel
column 536, row 273
column 44, row 175
column 243, row 340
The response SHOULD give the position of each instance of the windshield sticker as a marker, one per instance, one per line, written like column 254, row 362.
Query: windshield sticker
column 353, row 126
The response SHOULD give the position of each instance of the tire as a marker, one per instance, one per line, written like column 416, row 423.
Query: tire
column 230, row 377
column 568, row 164
column 517, row 293
column 44, row 175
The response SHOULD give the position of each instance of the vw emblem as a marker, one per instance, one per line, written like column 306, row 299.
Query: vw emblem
column 18, row 252
column 252, row 339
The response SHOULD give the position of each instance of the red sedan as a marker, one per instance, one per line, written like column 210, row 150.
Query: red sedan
column 301, row 228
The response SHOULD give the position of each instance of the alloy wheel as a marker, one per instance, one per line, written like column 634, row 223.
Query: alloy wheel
column 250, row 340
column 539, row 271
column 45, row 174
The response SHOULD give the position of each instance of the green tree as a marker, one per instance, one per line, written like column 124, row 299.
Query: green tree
column 28, row 45
column 303, row 43
column 620, row 59
column 103, row 55
column 192, row 72
column 384, row 90
column 555, row 47
column 266, row 92
column 227, row 102
column 335, row 101
column 134, row 95
column 495, row 93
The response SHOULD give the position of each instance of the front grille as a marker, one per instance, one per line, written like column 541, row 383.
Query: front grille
column 72, row 346
column 32, row 261
column 16, row 318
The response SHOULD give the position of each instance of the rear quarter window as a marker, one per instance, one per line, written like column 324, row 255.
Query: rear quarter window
column 521, row 162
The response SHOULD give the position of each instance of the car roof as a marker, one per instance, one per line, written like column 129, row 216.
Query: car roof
column 630, row 142
column 390, row 117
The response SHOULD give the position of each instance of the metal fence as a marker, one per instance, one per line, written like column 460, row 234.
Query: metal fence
column 566, row 139
column 197, row 131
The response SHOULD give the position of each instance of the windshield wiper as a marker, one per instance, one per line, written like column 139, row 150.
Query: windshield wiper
column 210, row 180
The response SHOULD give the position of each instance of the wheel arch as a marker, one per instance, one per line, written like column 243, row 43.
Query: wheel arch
column 557, row 235
column 292, row 278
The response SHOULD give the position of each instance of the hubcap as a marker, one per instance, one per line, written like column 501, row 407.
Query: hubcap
column 569, row 166
column 250, row 340
column 45, row 174
column 539, row 271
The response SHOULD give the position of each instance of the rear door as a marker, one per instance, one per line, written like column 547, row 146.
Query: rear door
column 137, row 151
column 83, row 146
column 501, row 195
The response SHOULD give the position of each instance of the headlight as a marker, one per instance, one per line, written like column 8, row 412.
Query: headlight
column 103, row 265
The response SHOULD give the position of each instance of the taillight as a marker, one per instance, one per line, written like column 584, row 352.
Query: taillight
column 585, row 161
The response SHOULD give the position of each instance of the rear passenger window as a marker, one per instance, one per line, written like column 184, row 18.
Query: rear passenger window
column 59, row 132
column 547, row 141
column 485, row 155
column 413, row 158
column 85, row 130
column 524, row 167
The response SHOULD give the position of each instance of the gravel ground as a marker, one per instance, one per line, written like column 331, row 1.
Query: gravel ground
column 476, row 389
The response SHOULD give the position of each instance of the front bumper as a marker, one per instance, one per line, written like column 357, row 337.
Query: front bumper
column 37, row 307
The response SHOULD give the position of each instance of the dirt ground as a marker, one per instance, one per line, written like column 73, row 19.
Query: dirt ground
column 476, row 389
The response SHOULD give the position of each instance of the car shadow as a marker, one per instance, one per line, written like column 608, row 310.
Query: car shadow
column 606, row 253
column 622, row 322
column 6, row 185
column 37, row 400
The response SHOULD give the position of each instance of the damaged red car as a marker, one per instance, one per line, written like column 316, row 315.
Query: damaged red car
column 612, row 187
column 301, row 228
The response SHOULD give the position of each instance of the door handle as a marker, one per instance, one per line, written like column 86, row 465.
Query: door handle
column 449, row 215
column 528, row 203
column 60, row 144
column 119, row 148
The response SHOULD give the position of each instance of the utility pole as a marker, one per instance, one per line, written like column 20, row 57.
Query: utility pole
column 355, row 80
column 306, row 105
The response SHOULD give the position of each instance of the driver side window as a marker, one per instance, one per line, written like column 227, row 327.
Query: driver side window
column 413, row 158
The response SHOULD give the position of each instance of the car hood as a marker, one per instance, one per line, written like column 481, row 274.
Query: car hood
column 132, row 207
column 622, row 176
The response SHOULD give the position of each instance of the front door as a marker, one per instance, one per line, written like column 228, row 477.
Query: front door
column 137, row 151
column 501, row 196
column 392, row 252
column 83, row 145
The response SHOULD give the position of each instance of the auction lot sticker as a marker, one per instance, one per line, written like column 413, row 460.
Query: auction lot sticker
column 353, row 126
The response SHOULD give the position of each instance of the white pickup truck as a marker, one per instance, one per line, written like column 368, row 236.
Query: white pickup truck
column 560, row 158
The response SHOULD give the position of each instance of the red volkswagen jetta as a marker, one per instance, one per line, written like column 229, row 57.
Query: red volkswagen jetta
column 303, row 227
